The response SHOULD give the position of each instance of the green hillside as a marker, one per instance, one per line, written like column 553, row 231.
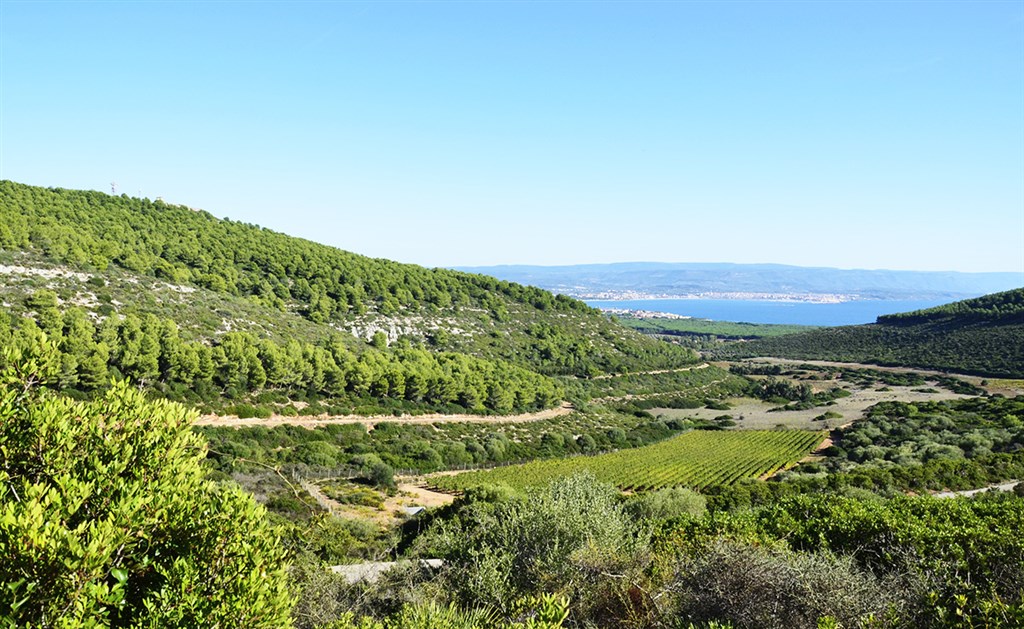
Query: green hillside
column 202, row 308
column 983, row 336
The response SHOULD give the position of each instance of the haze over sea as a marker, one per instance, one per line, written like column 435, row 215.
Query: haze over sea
column 759, row 311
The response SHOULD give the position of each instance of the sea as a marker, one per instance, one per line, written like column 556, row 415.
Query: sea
column 787, row 312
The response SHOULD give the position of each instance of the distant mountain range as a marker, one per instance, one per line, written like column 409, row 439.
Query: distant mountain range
column 638, row 280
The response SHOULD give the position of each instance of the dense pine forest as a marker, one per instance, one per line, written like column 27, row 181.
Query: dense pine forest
column 181, row 245
column 235, row 317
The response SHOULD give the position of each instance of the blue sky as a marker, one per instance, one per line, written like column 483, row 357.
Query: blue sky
column 845, row 134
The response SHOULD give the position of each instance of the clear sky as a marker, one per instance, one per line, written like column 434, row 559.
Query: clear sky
column 845, row 134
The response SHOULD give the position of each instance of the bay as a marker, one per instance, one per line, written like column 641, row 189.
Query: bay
column 760, row 311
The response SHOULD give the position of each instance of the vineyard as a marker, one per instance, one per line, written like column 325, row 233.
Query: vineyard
column 694, row 459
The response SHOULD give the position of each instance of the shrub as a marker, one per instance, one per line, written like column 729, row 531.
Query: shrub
column 563, row 536
column 106, row 517
column 243, row 411
column 374, row 470
column 667, row 503
column 758, row 587
column 288, row 411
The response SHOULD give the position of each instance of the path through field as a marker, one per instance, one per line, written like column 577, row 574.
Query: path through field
column 411, row 492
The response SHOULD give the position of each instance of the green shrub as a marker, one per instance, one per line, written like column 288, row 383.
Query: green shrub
column 288, row 411
column 667, row 503
column 245, row 411
column 561, row 536
column 756, row 587
column 100, row 521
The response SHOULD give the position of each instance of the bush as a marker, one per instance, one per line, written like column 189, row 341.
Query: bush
column 667, row 503
column 762, row 588
column 374, row 470
column 288, row 411
column 559, row 538
column 106, row 517
column 245, row 411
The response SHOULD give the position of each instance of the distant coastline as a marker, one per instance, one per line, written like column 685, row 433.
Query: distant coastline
column 625, row 295
column 787, row 312
column 764, row 283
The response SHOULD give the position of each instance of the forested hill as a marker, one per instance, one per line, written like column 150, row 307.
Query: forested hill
column 187, row 302
column 1005, row 307
column 983, row 336
column 185, row 246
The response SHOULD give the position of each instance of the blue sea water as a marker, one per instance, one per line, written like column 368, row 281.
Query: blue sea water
column 755, row 311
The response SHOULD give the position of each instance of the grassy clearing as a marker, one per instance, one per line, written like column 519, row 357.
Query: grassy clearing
column 753, row 414
column 866, row 387
column 1005, row 386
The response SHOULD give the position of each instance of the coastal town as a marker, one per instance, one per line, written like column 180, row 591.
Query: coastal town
column 624, row 295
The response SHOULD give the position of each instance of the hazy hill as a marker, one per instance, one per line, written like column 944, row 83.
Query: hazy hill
column 186, row 301
column 984, row 336
column 655, row 278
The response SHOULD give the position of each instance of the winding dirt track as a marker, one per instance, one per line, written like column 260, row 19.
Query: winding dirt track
column 1007, row 486
column 312, row 421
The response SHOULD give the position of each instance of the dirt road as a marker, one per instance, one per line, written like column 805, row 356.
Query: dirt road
column 970, row 492
column 312, row 421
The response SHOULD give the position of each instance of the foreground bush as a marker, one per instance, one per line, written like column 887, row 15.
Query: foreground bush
column 544, row 612
column 758, row 587
column 106, row 518
column 566, row 538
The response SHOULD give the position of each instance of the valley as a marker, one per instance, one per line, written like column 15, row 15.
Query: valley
column 330, row 409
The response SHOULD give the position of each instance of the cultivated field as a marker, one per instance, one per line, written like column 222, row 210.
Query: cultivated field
column 694, row 459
